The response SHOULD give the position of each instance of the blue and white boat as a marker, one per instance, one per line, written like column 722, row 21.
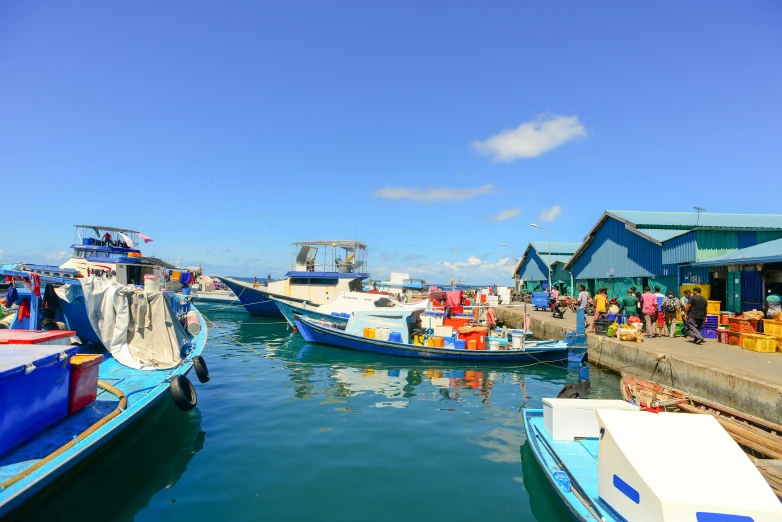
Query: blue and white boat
column 397, row 325
column 340, row 310
column 44, row 434
column 321, row 271
column 609, row 461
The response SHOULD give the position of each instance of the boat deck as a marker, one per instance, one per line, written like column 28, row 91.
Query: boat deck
column 136, row 384
column 579, row 459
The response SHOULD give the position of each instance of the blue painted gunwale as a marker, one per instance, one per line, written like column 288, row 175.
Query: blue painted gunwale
column 288, row 310
column 327, row 275
column 255, row 300
column 545, row 351
column 143, row 389
column 579, row 462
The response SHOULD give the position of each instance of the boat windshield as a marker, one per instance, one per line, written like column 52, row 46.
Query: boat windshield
column 345, row 257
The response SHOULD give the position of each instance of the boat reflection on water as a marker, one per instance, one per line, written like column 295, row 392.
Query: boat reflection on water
column 543, row 500
column 123, row 478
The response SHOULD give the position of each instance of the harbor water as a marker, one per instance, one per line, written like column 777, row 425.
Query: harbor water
column 291, row 431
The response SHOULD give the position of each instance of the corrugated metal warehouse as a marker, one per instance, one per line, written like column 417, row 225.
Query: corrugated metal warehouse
column 533, row 266
column 669, row 249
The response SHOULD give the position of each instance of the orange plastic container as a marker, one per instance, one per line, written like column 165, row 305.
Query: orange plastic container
column 83, row 388
column 743, row 325
column 439, row 342
column 472, row 344
column 724, row 316
column 736, row 339
column 456, row 322
column 369, row 333
column 478, row 337
column 483, row 298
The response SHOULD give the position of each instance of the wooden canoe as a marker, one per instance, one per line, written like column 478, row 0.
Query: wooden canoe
column 760, row 439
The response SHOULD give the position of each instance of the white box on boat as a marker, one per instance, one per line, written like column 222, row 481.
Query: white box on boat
column 566, row 419
column 443, row 331
column 674, row 466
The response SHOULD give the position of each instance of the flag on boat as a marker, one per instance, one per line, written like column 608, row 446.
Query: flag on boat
column 146, row 239
column 126, row 239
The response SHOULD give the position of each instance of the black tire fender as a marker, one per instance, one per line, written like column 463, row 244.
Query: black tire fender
column 202, row 372
column 183, row 393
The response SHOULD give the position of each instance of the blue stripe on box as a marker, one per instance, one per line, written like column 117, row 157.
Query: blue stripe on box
column 627, row 489
column 702, row 516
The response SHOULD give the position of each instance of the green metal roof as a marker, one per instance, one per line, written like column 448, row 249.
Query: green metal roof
column 557, row 247
column 661, row 234
column 690, row 220
column 769, row 252
column 557, row 259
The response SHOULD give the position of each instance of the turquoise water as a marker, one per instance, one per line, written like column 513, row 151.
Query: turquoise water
column 290, row 431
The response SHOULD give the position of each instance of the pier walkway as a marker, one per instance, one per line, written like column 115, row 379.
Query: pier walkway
column 748, row 381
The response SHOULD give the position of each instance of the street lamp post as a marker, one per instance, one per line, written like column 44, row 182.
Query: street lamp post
column 549, row 253
column 515, row 279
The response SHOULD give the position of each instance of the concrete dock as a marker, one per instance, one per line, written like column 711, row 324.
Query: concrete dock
column 748, row 381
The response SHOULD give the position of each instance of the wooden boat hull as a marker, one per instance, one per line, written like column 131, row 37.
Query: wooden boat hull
column 553, row 352
column 143, row 389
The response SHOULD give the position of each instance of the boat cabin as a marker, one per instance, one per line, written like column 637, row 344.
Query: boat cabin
column 323, row 270
column 111, row 253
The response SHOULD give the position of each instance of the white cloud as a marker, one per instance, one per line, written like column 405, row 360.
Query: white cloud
column 550, row 214
column 432, row 195
column 476, row 263
column 506, row 214
column 56, row 257
column 531, row 138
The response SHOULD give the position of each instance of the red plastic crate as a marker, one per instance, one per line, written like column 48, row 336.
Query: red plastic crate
column 83, row 387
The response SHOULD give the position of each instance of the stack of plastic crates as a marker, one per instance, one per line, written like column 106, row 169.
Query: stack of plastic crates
column 710, row 325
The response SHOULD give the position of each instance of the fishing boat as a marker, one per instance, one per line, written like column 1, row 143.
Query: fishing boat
column 396, row 326
column 760, row 439
column 320, row 272
column 78, row 396
column 609, row 461
column 339, row 310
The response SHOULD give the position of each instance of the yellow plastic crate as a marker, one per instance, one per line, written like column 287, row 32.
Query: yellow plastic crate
column 772, row 327
column 713, row 307
column 760, row 343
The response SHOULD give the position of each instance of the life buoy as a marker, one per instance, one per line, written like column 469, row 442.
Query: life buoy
column 202, row 372
column 183, row 393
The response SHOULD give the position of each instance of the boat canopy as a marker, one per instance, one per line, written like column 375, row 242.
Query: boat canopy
column 335, row 256
column 397, row 320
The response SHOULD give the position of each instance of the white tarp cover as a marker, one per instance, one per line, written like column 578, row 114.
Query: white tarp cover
column 139, row 329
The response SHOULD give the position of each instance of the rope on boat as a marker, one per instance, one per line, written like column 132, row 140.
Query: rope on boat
column 121, row 406
column 212, row 324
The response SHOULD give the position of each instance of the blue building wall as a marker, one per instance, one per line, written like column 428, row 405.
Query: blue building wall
column 533, row 268
column 682, row 249
column 615, row 247
column 694, row 275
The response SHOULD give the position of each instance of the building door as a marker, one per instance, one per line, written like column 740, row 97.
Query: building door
column 719, row 291
column 733, row 294
column 751, row 291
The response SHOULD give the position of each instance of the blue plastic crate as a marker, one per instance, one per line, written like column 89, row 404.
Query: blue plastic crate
column 34, row 382
column 708, row 332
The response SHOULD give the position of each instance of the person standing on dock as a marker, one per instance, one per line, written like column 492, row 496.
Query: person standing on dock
column 696, row 314
column 684, row 301
column 773, row 304
column 670, row 307
column 649, row 309
column 629, row 305
column 583, row 301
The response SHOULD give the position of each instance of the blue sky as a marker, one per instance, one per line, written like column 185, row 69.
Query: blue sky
column 433, row 132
